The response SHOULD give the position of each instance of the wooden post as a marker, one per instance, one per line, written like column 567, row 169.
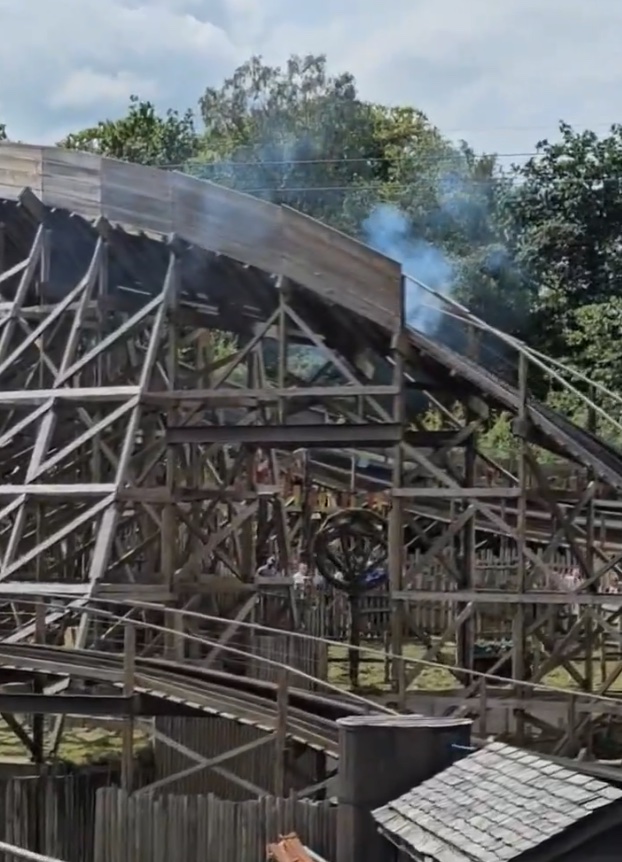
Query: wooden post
column 354, row 652
column 38, row 720
column 466, row 633
column 518, row 620
column 129, row 670
column 396, row 523
column 483, row 708
column 280, row 738
column 592, row 626
column 354, row 641
column 179, row 645
column 572, row 722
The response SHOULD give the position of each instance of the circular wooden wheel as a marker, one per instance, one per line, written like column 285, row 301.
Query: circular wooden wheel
column 350, row 550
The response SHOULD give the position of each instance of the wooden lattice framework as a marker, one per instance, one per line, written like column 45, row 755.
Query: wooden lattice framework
column 141, row 459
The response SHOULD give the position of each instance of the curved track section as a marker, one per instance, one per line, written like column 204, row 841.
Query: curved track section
column 311, row 718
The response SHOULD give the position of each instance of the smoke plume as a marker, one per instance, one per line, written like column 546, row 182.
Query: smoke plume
column 444, row 234
column 388, row 230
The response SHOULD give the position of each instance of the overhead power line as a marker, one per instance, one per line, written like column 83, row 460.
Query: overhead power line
column 368, row 160
column 543, row 127
column 389, row 186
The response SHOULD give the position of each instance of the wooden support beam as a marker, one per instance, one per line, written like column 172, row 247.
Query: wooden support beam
column 129, row 673
column 424, row 492
column 288, row 436
column 280, row 736
column 533, row 597
column 245, row 397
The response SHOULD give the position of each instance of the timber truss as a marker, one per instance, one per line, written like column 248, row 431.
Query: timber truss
column 147, row 455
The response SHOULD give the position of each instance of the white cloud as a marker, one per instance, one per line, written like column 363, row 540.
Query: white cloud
column 499, row 73
column 85, row 87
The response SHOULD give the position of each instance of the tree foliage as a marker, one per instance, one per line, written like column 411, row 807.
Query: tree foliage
column 563, row 221
column 535, row 250
column 298, row 136
column 141, row 136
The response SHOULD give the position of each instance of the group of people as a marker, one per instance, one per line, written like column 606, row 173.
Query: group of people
column 302, row 579
column 571, row 580
column 304, row 582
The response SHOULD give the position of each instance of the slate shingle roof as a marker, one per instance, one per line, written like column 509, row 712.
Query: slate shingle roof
column 492, row 806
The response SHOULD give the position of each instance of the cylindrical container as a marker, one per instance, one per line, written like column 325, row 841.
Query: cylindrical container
column 380, row 758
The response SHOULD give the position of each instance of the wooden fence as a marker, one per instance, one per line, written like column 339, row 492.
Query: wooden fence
column 210, row 736
column 308, row 656
column 77, row 819
column 326, row 612
column 52, row 815
column 205, row 828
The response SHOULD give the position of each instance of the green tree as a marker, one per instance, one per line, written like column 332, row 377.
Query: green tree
column 456, row 206
column 563, row 220
column 294, row 135
column 142, row 136
column 299, row 136
column 3, row 134
column 451, row 198
column 406, row 157
column 593, row 344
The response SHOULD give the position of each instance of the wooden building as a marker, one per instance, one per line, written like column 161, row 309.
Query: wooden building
column 502, row 804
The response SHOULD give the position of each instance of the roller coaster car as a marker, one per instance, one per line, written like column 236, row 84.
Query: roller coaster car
column 350, row 550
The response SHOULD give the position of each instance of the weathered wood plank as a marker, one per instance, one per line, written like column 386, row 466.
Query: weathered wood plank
column 71, row 181
column 230, row 223
column 276, row 239
column 341, row 270
column 21, row 166
column 137, row 196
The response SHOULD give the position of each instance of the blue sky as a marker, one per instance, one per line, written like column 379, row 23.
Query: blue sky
column 500, row 73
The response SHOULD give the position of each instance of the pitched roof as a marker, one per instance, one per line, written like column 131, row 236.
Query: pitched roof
column 492, row 806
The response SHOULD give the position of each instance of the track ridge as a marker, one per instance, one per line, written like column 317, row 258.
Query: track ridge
column 311, row 718
column 559, row 431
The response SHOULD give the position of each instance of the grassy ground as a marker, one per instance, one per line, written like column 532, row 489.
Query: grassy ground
column 371, row 675
column 79, row 744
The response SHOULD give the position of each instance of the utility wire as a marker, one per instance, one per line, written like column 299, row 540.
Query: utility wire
column 601, row 124
column 403, row 186
column 353, row 159
column 367, row 160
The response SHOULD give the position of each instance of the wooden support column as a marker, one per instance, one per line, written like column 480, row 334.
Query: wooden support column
column 354, row 651
column 283, row 285
column 248, row 565
column 280, row 738
column 592, row 626
column 129, row 671
column 518, row 620
column 589, row 560
column 168, row 541
column 179, row 641
column 466, row 630
column 396, row 524
column 38, row 720
column 174, row 640
column 465, row 635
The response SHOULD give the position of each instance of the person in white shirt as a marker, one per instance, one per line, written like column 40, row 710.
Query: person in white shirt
column 300, row 577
